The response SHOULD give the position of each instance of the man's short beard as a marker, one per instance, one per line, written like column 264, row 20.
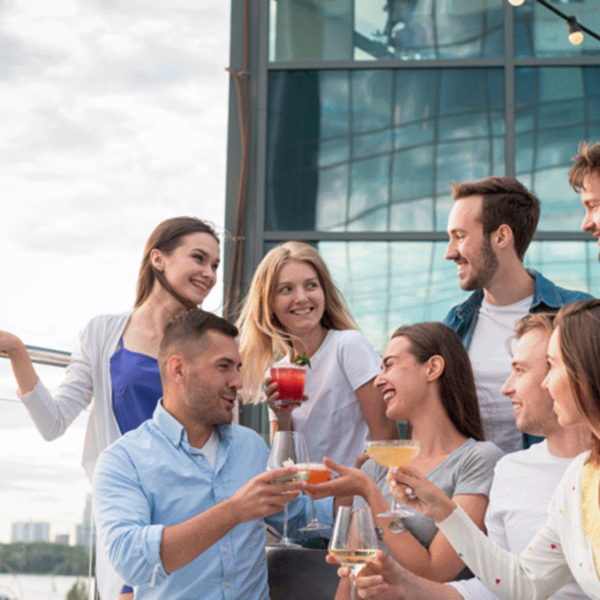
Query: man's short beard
column 489, row 267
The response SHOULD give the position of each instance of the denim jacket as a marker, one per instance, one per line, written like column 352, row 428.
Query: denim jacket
column 546, row 297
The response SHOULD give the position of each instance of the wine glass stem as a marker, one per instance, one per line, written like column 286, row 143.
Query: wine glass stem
column 312, row 511
column 285, row 539
column 395, row 507
column 353, row 585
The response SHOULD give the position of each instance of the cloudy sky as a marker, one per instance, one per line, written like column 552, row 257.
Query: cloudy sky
column 113, row 117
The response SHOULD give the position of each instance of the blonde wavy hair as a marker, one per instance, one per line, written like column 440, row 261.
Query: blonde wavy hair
column 263, row 338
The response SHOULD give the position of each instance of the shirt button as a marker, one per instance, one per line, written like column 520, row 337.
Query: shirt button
column 216, row 485
column 227, row 584
column 225, row 550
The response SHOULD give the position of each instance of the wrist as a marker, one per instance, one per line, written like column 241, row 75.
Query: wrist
column 443, row 510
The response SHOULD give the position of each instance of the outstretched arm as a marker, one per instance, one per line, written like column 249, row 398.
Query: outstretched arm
column 19, row 361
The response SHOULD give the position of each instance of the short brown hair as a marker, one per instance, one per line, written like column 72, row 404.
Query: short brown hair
column 579, row 341
column 167, row 236
column 187, row 331
column 457, row 384
column 543, row 321
column 506, row 201
column 586, row 162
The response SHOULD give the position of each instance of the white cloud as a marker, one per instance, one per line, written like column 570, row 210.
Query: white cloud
column 113, row 117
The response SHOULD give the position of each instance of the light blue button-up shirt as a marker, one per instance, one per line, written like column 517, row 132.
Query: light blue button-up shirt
column 151, row 478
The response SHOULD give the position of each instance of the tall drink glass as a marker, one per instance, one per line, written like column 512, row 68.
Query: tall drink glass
column 288, row 448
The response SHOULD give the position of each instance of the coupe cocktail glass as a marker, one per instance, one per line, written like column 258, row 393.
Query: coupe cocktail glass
column 394, row 454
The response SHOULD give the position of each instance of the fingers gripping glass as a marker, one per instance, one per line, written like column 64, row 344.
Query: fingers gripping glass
column 394, row 454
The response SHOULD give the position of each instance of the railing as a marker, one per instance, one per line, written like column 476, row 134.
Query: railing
column 46, row 356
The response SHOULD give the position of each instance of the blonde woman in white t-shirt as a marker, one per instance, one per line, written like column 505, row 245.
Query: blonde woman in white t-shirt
column 293, row 308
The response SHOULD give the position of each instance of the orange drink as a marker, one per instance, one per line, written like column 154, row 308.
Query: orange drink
column 317, row 473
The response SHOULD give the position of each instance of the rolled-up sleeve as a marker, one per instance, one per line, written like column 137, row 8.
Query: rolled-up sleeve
column 123, row 520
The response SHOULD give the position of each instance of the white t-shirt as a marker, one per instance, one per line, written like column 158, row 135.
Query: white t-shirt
column 491, row 366
column 331, row 419
column 524, row 483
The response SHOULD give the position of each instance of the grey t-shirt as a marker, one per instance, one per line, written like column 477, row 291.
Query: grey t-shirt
column 467, row 470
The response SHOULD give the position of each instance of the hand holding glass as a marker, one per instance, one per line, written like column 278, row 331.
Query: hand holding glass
column 354, row 541
column 394, row 454
column 290, row 379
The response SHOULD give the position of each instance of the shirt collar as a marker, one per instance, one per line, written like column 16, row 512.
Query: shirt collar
column 175, row 431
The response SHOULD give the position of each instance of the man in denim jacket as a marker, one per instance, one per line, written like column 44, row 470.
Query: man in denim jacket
column 490, row 227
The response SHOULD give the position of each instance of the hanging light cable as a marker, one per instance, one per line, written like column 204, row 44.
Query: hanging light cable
column 575, row 29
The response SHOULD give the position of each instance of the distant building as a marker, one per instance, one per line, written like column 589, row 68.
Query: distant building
column 62, row 538
column 31, row 531
column 84, row 531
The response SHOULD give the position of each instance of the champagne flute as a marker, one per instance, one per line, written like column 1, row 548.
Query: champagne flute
column 354, row 541
column 317, row 473
column 288, row 449
column 394, row 454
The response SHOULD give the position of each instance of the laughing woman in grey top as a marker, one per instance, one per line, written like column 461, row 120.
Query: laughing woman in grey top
column 426, row 379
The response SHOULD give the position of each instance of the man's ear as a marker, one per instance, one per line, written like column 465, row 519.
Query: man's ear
column 503, row 237
column 435, row 367
column 176, row 368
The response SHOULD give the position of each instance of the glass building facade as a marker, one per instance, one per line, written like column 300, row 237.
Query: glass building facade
column 364, row 111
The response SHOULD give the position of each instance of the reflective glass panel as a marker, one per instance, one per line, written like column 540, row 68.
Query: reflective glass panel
column 388, row 284
column 375, row 150
column 540, row 32
column 556, row 108
column 360, row 30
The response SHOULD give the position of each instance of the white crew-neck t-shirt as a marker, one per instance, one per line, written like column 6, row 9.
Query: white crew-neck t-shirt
column 332, row 420
column 491, row 361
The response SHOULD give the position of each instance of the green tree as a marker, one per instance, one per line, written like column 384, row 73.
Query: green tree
column 79, row 591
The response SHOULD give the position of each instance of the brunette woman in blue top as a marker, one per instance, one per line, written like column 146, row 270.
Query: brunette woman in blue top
column 115, row 361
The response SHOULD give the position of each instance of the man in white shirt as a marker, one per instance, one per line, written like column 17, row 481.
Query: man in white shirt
column 490, row 227
column 523, row 481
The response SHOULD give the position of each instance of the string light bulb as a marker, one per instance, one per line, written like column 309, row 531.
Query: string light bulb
column 516, row 2
column 575, row 33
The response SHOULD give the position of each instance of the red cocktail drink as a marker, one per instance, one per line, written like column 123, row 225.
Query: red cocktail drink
column 290, row 380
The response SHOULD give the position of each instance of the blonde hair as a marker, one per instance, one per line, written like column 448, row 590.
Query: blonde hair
column 263, row 338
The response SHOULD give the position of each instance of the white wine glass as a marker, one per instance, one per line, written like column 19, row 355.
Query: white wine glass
column 394, row 454
column 288, row 449
column 354, row 540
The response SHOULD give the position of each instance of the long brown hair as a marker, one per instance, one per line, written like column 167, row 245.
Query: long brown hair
column 167, row 236
column 457, row 384
column 262, row 336
column 578, row 327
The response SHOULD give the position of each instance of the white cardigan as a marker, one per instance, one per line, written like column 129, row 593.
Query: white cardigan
column 559, row 551
column 86, row 377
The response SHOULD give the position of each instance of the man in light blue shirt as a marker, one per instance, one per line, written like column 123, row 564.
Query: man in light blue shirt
column 181, row 502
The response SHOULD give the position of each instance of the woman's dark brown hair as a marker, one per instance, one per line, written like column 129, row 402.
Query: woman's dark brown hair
column 578, row 327
column 167, row 236
column 457, row 384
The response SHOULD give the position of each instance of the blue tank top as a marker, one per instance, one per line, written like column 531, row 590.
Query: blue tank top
column 136, row 387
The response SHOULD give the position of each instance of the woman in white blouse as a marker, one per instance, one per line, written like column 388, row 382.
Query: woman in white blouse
column 568, row 546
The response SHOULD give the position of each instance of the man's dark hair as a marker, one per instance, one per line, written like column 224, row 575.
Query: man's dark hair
column 506, row 201
column 188, row 330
